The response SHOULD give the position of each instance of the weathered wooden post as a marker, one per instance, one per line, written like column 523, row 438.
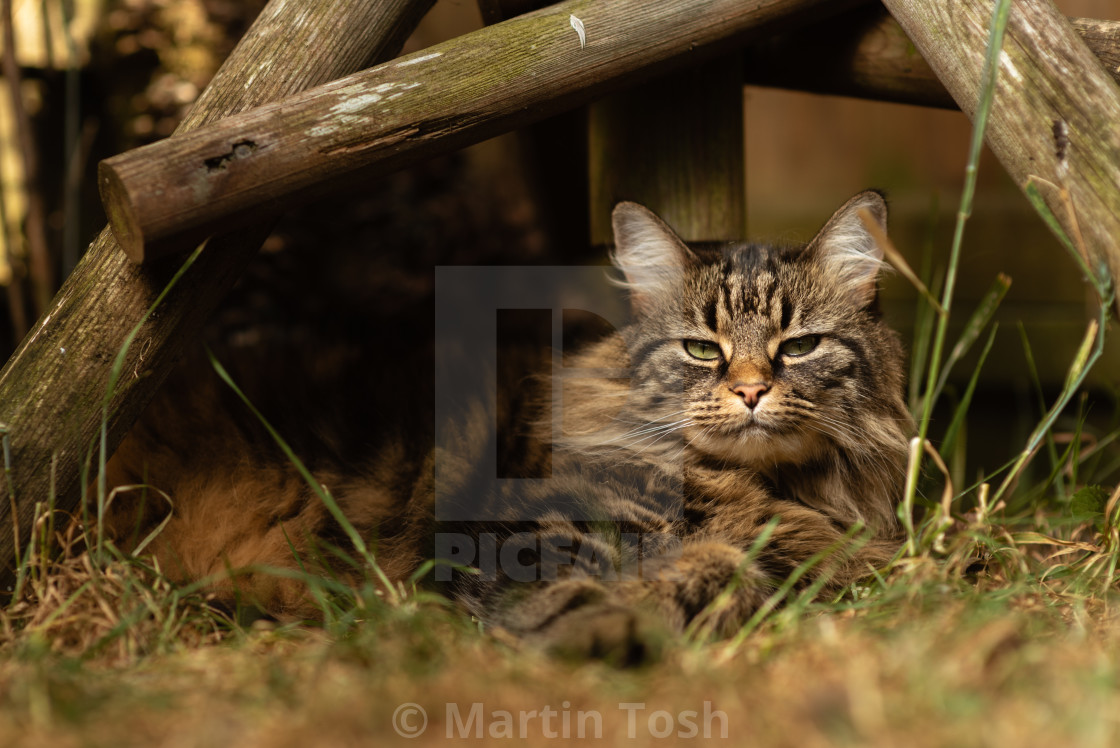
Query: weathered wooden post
column 553, row 155
column 1055, row 111
column 53, row 387
column 676, row 145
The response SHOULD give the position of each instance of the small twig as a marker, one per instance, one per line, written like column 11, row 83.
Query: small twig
column 17, row 303
column 6, row 446
column 947, row 492
column 35, row 227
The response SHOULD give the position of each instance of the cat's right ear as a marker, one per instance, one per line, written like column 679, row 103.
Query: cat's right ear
column 851, row 256
column 649, row 254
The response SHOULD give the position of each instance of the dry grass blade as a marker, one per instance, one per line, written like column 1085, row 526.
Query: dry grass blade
column 1113, row 502
column 118, row 610
column 1078, row 244
column 1035, row 538
column 947, row 491
column 895, row 258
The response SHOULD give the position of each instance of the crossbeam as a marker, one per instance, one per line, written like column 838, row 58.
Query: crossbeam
column 866, row 54
column 165, row 196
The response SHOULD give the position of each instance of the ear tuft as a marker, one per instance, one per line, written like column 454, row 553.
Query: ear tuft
column 847, row 250
column 649, row 254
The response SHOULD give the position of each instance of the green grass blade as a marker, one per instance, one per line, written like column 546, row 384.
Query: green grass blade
column 111, row 389
column 1092, row 346
column 948, row 444
column 1051, row 221
column 980, row 121
column 324, row 495
column 972, row 329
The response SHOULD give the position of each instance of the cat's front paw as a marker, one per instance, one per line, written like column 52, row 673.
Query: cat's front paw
column 584, row 619
column 615, row 634
column 709, row 585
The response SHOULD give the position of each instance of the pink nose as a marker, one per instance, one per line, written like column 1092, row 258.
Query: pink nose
column 751, row 393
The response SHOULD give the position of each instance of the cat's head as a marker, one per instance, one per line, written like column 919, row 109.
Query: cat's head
column 763, row 355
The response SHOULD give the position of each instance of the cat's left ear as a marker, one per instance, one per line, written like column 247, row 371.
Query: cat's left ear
column 848, row 251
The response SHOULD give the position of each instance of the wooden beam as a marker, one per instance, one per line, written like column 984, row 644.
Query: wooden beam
column 866, row 54
column 552, row 158
column 676, row 146
column 450, row 95
column 1055, row 111
column 496, row 11
column 53, row 387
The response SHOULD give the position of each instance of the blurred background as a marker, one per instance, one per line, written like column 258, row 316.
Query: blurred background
column 84, row 79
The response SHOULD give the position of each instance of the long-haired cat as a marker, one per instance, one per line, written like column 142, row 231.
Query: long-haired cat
column 759, row 432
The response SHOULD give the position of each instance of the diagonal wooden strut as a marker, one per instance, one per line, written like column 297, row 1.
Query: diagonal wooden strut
column 53, row 387
column 1055, row 112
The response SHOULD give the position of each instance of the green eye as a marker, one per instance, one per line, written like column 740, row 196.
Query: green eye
column 799, row 346
column 702, row 349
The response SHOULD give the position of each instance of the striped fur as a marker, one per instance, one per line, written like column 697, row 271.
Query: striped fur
column 676, row 454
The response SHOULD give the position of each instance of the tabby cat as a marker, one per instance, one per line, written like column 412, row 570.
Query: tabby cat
column 759, row 433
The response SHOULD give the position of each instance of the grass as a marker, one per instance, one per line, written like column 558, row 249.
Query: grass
column 994, row 626
column 931, row 657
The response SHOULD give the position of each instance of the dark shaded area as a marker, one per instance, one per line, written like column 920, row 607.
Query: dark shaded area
column 145, row 67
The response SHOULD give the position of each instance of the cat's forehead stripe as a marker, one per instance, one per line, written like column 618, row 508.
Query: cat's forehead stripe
column 710, row 314
column 787, row 313
column 729, row 295
column 746, row 282
column 727, row 306
column 765, row 288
